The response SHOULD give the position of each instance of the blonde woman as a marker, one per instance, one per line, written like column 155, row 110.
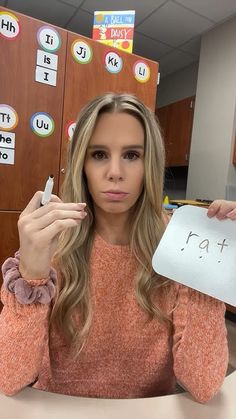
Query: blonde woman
column 100, row 322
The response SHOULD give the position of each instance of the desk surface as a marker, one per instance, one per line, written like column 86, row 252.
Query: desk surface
column 35, row 404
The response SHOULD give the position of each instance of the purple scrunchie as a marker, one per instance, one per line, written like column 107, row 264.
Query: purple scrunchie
column 24, row 293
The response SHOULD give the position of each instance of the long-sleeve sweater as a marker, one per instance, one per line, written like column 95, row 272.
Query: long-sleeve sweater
column 126, row 355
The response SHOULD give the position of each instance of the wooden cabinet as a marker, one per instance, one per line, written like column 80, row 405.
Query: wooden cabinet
column 76, row 83
column 9, row 242
column 176, row 121
column 231, row 308
column 83, row 82
column 36, row 157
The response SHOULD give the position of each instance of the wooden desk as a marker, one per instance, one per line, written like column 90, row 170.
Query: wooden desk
column 35, row 404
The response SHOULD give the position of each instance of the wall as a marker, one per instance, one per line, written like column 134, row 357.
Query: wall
column 231, row 183
column 210, row 167
column 177, row 86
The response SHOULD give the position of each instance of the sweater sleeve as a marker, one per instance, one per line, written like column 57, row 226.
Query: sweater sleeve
column 200, row 348
column 23, row 336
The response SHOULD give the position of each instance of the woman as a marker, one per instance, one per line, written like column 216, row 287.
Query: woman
column 101, row 323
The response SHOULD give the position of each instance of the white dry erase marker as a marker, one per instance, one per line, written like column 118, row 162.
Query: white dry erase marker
column 47, row 190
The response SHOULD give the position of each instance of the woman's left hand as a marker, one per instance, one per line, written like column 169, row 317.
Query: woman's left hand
column 222, row 209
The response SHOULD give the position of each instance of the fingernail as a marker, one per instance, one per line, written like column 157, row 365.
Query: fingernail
column 233, row 212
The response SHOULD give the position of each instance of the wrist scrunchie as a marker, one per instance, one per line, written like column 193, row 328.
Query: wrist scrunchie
column 24, row 292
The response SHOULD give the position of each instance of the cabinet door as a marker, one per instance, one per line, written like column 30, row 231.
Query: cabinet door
column 9, row 242
column 162, row 117
column 176, row 120
column 35, row 157
column 231, row 308
column 84, row 81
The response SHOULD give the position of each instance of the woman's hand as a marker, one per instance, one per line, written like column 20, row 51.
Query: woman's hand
column 222, row 209
column 39, row 228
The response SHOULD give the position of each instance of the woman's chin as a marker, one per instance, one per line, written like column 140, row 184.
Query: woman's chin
column 115, row 208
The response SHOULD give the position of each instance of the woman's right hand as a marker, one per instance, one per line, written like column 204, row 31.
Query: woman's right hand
column 39, row 228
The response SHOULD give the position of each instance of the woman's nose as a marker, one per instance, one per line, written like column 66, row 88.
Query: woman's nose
column 115, row 170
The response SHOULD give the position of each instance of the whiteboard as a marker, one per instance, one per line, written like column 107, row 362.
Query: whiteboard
column 199, row 252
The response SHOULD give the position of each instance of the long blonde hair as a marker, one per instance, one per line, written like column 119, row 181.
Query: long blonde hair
column 74, row 249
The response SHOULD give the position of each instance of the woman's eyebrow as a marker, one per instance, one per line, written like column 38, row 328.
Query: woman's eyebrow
column 131, row 146
column 139, row 146
column 91, row 147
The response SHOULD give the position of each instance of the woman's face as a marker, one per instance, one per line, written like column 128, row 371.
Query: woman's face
column 114, row 163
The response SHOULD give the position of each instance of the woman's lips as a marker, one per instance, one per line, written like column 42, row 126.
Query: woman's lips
column 115, row 196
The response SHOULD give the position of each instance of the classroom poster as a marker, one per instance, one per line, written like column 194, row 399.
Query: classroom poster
column 115, row 29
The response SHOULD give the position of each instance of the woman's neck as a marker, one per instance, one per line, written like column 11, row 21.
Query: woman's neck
column 113, row 228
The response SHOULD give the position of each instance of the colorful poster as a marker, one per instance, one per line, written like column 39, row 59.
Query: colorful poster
column 115, row 29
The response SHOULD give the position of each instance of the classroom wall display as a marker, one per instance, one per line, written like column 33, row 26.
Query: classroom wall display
column 7, row 147
column 92, row 79
column 81, row 51
column 7, row 156
column 49, row 89
column 42, row 124
column 31, row 154
column 45, row 76
column 141, row 71
column 45, row 59
column 46, row 67
column 115, row 28
column 26, row 167
column 113, row 62
column 49, row 38
column 7, row 139
column 9, row 25
column 70, row 130
column 8, row 121
column 8, row 117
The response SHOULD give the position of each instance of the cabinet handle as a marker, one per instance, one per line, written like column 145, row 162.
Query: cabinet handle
column 63, row 170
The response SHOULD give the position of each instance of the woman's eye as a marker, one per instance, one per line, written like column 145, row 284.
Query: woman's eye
column 132, row 155
column 98, row 155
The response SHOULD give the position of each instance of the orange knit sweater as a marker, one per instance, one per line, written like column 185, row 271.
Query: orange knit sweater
column 126, row 354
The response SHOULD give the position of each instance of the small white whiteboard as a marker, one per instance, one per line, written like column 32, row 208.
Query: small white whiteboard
column 199, row 252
